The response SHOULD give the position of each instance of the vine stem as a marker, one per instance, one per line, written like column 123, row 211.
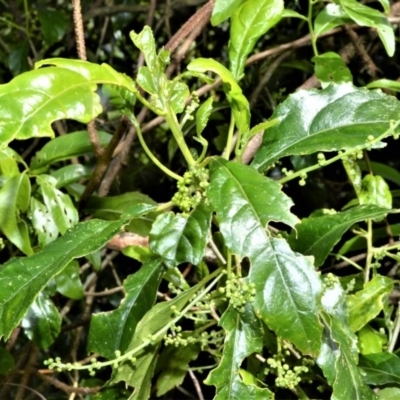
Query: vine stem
column 396, row 330
column 370, row 252
column 228, row 147
column 311, row 28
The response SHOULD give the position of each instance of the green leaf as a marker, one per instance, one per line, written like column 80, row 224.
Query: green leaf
column 70, row 174
column 15, row 196
column 174, row 364
column 69, row 283
column 238, row 102
column 277, row 272
column 374, row 190
column 145, row 42
column 366, row 304
column 318, row 235
column 248, row 23
column 21, row 279
column 287, row 13
column 329, row 67
column 178, row 239
column 385, row 171
column 389, row 393
column 62, row 211
column 64, row 147
column 178, row 92
column 367, row 16
column 54, row 24
column 203, row 115
column 338, row 117
column 384, row 84
column 370, row 340
column 244, row 334
column 223, row 9
column 380, row 368
column 7, row 361
column 42, row 322
column 113, row 330
column 330, row 17
column 18, row 60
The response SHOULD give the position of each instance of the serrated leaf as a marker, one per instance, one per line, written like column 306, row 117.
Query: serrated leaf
column 366, row 304
column 243, row 337
column 329, row 67
column 318, row 235
column 14, row 195
column 238, row 102
column 21, row 279
column 174, row 364
column 287, row 287
column 64, row 147
column 179, row 238
column 248, row 23
column 42, row 322
column 380, row 368
column 339, row 365
column 338, row 117
column 223, row 9
column 59, row 204
column 113, row 330
column 367, row 16
column 68, row 281
column 330, row 17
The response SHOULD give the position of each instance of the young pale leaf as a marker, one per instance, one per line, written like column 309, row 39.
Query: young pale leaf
column 181, row 239
column 14, row 196
column 113, row 330
column 223, row 9
column 21, row 279
column 68, row 281
column 145, row 42
column 371, row 341
column 374, row 190
column 366, row 304
column 43, row 223
column 59, row 204
column 64, row 147
column 389, row 393
column 174, row 364
column 42, row 322
column 339, row 364
column 367, row 16
column 238, row 102
column 243, row 337
column 288, row 288
column 338, row 117
column 178, row 92
column 248, row 23
column 330, row 17
column 203, row 114
column 287, row 13
column 316, row 236
column 385, row 171
column 330, row 68
column 380, row 368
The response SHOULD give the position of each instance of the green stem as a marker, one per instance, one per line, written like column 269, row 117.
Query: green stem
column 229, row 141
column 311, row 28
column 173, row 124
column 370, row 252
column 152, row 157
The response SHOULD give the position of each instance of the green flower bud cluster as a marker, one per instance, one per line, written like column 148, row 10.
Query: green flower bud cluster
column 191, row 189
column 239, row 292
column 192, row 106
column 287, row 377
column 178, row 338
column 329, row 281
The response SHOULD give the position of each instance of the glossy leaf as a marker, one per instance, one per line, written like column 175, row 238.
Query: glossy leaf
column 287, row 286
column 243, row 337
column 69, row 283
column 113, row 330
column 145, row 42
column 316, row 236
column 62, row 211
column 42, row 322
column 370, row 341
column 178, row 92
column 179, row 239
column 21, row 279
column 203, row 114
column 330, row 17
column 14, row 196
column 238, row 102
column 380, row 368
column 70, row 174
column 366, row 304
column 73, row 144
column 287, row 13
column 223, row 9
column 174, row 364
column 248, row 23
column 338, row 117
column 330, row 68
column 367, row 16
